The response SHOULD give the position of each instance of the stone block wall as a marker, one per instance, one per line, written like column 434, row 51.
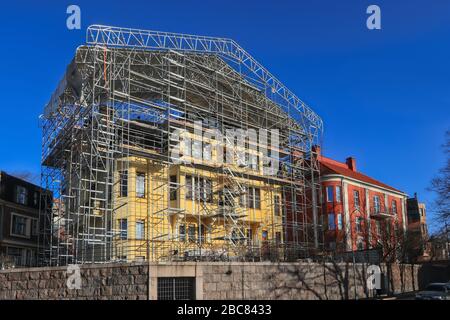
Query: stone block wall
column 214, row 280
column 97, row 282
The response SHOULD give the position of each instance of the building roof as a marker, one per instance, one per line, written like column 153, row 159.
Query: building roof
column 330, row 166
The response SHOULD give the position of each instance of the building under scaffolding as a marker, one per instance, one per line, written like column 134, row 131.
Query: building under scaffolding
column 167, row 147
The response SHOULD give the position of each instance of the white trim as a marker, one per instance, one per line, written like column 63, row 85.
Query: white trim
column 27, row 226
column 362, row 184
column 368, row 219
column 347, row 222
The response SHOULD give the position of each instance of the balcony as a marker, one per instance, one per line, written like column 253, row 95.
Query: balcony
column 381, row 212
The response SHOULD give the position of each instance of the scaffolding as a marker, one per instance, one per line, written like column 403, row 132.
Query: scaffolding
column 137, row 152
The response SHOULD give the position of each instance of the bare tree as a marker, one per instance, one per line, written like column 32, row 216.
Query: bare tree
column 440, row 185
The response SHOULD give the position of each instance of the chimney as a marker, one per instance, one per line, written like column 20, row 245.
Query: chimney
column 351, row 163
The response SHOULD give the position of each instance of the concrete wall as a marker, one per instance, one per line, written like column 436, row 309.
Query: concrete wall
column 213, row 281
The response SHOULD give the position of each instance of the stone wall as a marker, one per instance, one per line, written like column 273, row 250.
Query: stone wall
column 233, row 280
column 300, row 280
column 97, row 282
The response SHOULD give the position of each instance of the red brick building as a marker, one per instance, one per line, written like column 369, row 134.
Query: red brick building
column 359, row 212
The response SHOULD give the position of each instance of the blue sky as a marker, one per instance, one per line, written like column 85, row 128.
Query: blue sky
column 384, row 95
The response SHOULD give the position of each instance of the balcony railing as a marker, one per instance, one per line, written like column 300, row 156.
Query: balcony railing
column 381, row 212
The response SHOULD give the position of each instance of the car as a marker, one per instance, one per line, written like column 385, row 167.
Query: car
column 435, row 291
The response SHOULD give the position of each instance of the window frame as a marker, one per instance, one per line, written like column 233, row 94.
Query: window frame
column 356, row 199
column 26, row 226
column 359, row 224
column 338, row 194
column 141, row 223
column 123, row 233
column 331, row 222
column 340, row 223
column 139, row 176
column 192, row 237
column 376, row 204
column 123, row 183
column 394, row 206
column 19, row 194
column 329, row 197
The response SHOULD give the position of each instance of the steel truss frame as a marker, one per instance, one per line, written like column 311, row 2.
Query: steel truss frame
column 116, row 110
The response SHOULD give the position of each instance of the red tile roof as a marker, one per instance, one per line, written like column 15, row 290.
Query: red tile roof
column 330, row 166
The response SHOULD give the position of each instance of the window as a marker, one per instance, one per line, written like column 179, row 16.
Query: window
column 182, row 232
column 376, row 204
column 330, row 197
column 277, row 208
column 249, row 234
column 338, row 194
column 123, row 176
column 201, row 233
column 388, row 230
column 140, row 185
column 123, row 226
column 339, row 221
column 264, row 235
column 254, row 161
column 378, row 228
column 34, row 227
column 394, row 207
column 140, row 229
column 206, row 186
column 360, row 244
column 359, row 224
column 277, row 237
column 201, row 187
column 173, row 187
column 187, row 146
column 191, row 233
column 189, row 189
column 35, row 198
column 21, row 195
column 207, row 151
column 197, row 150
column 17, row 254
column 19, row 226
column 176, row 288
column 331, row 224
column 356, row 201
column 254, row 198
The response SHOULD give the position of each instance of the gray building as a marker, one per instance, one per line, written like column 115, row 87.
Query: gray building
column 19, row 221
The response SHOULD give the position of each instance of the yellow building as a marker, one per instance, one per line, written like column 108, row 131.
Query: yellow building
column 196, row 210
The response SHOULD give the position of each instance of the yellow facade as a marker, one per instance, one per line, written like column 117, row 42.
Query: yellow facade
column 174, row 210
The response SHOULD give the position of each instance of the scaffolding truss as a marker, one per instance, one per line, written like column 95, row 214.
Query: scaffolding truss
column 137, row 154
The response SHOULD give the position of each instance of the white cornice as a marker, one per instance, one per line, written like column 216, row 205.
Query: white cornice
column 359, row 183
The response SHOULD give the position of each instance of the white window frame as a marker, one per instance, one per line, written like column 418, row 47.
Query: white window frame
column 141, row 235
column 27, row 226
column 332, row 193
column 139, row 177
column 339, row 221
column 338, row 194
column 356, row 204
